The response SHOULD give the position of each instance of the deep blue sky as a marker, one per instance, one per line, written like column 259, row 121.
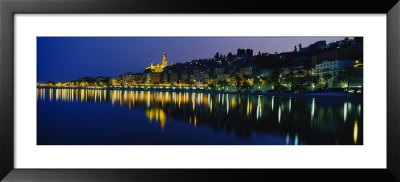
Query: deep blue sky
column 69, row 58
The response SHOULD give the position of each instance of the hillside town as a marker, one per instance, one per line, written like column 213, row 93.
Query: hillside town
column 320, row 67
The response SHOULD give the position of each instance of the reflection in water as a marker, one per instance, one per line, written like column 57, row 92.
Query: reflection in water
column 287, row 139
column 312, row 109
column 234, row 112
column 355, row 135
column 272, row 103
column 345, row 112
column 157, row 115
column 259, row 108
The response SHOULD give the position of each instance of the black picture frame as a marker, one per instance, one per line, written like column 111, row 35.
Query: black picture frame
column 8, row 8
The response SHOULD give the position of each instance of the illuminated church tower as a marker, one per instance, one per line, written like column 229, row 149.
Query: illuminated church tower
column 158, row 67
column 164, row 60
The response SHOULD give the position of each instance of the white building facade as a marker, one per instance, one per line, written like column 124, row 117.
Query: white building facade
column 333, row 67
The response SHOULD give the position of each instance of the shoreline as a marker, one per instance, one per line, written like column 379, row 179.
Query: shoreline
column 277, row 94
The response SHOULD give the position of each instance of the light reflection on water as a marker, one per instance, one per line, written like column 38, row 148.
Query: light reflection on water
column 332, row 121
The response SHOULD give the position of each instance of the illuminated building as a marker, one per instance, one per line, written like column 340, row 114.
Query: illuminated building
column 158, row 67
column 155, row 77
column 333, row 67
column 114, row 81
column 128, row 77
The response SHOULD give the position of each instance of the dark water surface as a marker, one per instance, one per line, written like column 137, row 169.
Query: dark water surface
column 128, row 117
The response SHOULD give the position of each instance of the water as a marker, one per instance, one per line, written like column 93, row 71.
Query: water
column 134, row 117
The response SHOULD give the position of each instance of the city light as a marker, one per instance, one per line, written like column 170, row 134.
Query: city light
column 237, row 93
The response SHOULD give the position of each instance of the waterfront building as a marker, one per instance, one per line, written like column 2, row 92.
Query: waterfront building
column 333, row 67
column 138, row 78
column 265, row 72
column 204, row 77
column 114, row 81
column 173, row 78
column 155, row 77
column 184, row 78
column 127, row 77
column 165, row 76
column 247, row 71
column 192, row 79
column 147, row 77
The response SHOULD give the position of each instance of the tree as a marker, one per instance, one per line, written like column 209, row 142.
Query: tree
column 298, row 84
column 222, row 83
column 350, row 75
column 288, row 78
column 212, row 86
column 244, row 87
column 233, row 81
column 249, row 52
column 326, row 77
column 241, row 52
column 216, row 56
column 239, row 81
column 346, row 41
column 257, row 81
column 313, row 80
column 108, row 82
column 274, row 78
column 229, row 56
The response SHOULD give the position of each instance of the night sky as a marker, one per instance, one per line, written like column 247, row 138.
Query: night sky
column 70, row 58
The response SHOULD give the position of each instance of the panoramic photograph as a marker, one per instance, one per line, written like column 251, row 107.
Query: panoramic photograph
column 199, row 90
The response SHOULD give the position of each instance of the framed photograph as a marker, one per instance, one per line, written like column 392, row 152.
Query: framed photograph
column 206, row 91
